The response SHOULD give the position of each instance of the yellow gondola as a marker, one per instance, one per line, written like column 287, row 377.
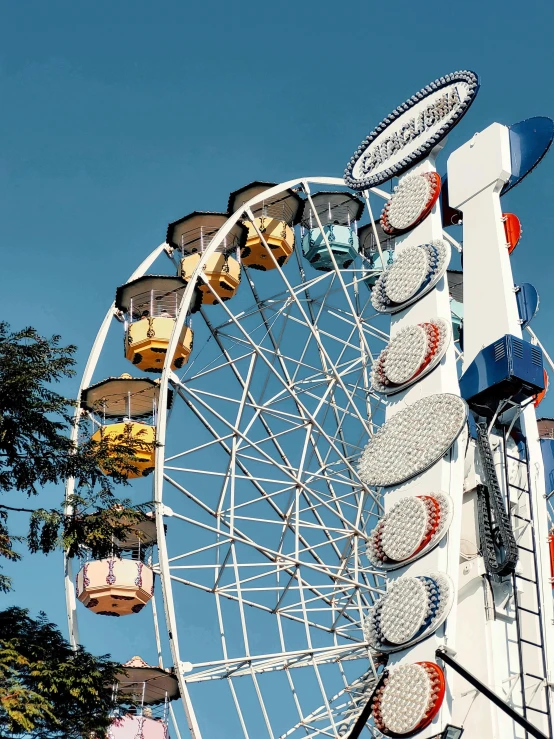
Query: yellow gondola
column 150, row 306
column 274, row 219
column 124, row 410
column 192, row 235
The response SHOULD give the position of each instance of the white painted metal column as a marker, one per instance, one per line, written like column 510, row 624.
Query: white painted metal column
column 444, row 476
column 487, row 636
column 477, row 172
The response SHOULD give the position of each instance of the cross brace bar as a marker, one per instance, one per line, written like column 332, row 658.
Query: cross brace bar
column 482, row 688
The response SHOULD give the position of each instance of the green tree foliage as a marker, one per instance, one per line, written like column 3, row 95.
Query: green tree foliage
column 47, row 689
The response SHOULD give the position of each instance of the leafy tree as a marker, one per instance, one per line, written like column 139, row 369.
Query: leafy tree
column 47, row 689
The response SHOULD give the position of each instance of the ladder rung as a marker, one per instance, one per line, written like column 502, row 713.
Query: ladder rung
column 537, row 710
column 517, row 459
column 516, row 487
column 521, row 577
column 521, row 518
column 525, row 549
column 528, row 610
column 532, row 643
column 537, row 677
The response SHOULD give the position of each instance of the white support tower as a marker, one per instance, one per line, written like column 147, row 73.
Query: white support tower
column 504, row 633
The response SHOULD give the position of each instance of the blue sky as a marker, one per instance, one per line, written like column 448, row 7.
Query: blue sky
column 119, row 117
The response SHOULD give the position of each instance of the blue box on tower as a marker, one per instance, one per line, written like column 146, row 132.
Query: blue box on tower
column 510, row 368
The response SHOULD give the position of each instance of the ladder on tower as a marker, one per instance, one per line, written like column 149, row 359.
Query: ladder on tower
column 528, row 618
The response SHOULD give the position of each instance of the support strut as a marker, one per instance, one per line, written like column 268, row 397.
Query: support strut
column 365, row 713
column 442, row 654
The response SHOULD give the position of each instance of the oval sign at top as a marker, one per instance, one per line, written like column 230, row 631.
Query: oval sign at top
column 410, row 132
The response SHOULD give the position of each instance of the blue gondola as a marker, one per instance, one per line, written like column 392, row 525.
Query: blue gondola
column 338, row 213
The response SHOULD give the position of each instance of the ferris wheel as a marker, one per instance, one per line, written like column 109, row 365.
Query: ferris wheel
column 290, row 367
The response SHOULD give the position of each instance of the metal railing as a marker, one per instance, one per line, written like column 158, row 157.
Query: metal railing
column 154, row 304
column 197, row 240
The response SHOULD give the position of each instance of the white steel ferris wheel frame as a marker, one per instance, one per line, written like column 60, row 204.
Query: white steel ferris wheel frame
column 264, row 662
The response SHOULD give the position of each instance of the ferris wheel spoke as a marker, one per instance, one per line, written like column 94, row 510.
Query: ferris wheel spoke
column 259, row 489
column 239, row 378
column 280, row 556
column 246, row 640
column 258, row 606
column 314, row 319
column 346, row 704
column 313, row 662
column 207, row 370
column 287, row 471
column 286, row 660
column 317, row 605
column 368, row 330
column 184, row 389
column 287, row 562
column 313, row 501
column 287, row 670
column 223, row 639
column 285, row 391
column 339, row 420
column 248, row 442
column 311, row 327
column 198, row 448
column 310, row 547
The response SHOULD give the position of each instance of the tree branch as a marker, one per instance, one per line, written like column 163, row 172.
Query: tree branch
column 18, row 510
